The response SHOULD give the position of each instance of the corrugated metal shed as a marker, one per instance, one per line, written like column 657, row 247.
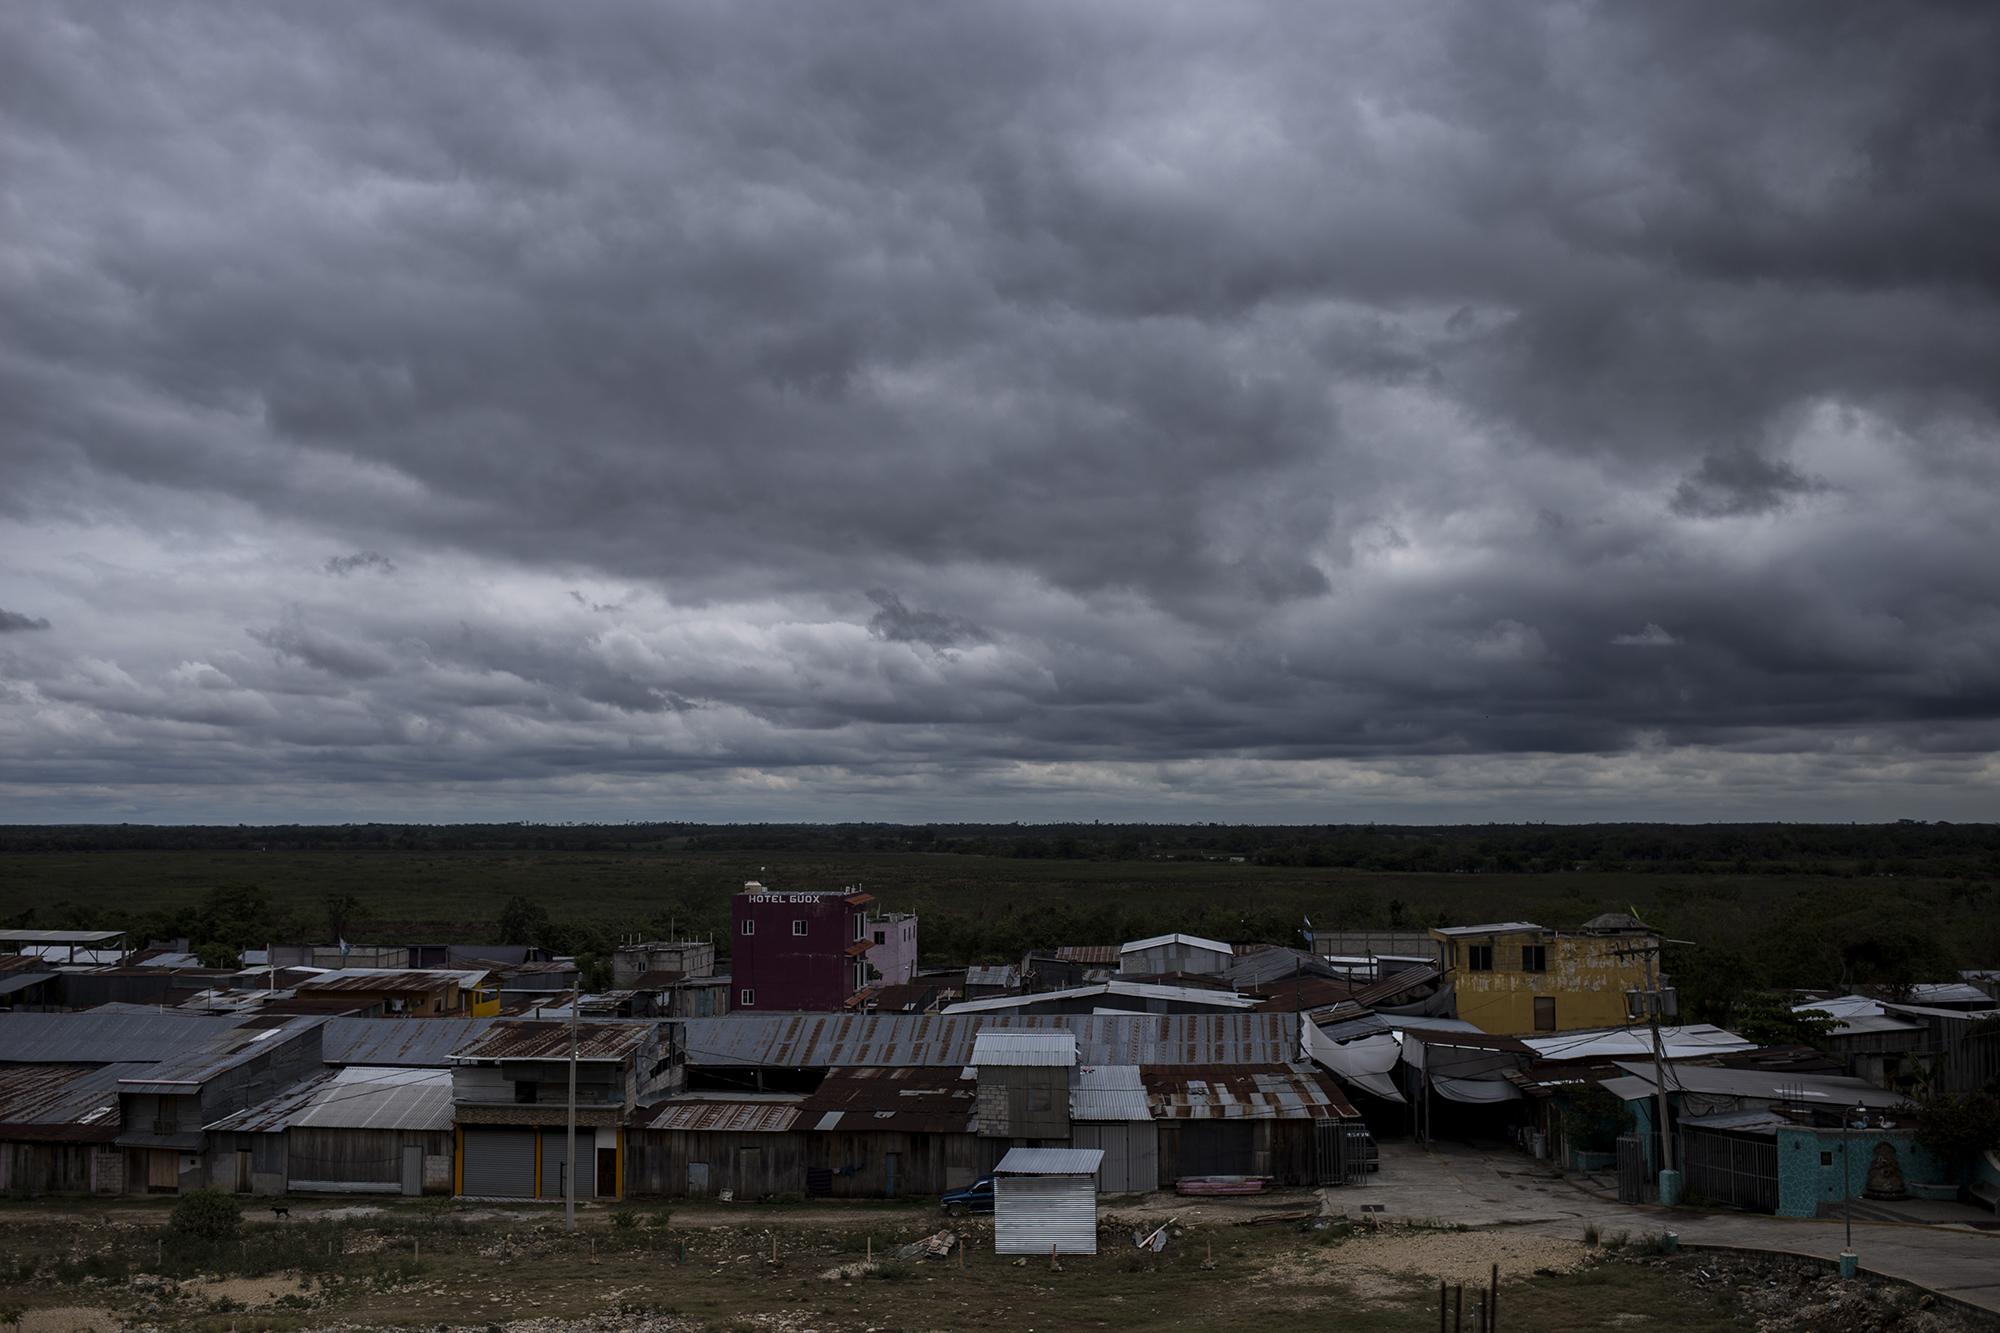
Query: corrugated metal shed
column 1276, row 1092
column 1024, row 1048
column 825, row 1041
column 121, row 1036
column 523, row 1039
column 407, row 1043
column 907, row 1101
column 67, row 1103
column 1050, row 1162
column 417, row 1100
column 1109, row 1092
column 1005, row 975
column 772, row 1114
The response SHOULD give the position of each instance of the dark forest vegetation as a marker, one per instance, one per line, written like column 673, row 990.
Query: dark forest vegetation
column 1766, row 906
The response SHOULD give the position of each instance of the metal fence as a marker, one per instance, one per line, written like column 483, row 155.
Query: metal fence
column 1736, row 1169
column 1633, row 1186
column 1343, row 1152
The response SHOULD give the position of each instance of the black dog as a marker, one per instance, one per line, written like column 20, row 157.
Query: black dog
column 279, row 1210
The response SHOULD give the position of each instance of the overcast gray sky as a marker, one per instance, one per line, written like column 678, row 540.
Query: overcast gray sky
column 904, row 411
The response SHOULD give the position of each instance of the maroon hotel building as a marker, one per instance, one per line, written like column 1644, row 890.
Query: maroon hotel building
column 797, row 951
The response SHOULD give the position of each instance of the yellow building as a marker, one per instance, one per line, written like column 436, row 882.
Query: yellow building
column 1514, row 978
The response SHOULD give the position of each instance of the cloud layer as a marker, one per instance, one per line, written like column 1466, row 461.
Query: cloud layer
column 891, row 411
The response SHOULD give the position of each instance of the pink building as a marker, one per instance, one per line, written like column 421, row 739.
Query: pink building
column 893, row 951
column 797, row 952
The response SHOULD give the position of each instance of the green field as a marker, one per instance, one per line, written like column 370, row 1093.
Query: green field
column 1748, row 929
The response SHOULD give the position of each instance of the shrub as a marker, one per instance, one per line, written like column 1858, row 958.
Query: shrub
column 1590, row 1235
column 207, row 1215
column 624, row 1217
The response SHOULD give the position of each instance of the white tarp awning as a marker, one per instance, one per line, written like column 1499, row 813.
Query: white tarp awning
column 1475, row 1090
column 1366, row 1062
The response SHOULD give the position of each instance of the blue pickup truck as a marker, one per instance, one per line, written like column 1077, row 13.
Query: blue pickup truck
column 974, row 1198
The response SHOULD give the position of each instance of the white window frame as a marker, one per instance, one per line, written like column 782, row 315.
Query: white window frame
column 800, row 927
column 749, row 926
column 746, row 998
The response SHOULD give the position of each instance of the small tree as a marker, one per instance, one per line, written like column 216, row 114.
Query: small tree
column 523, row 921
column 1959, row 1126
column 206, row 1215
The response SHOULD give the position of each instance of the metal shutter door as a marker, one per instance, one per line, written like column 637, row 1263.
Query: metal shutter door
column 555, row 1162
column 1033, row 1213
column 500, row 1163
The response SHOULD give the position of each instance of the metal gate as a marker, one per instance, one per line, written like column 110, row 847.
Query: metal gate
column 1736, row 1169
column 500, row 1163
column 1631, row 1170
column 413, row 1168
column 1343, row 1152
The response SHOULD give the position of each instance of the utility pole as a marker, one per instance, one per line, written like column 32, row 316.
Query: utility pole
column 569, row 1173
column 1654, row 998
column 1653, row 1002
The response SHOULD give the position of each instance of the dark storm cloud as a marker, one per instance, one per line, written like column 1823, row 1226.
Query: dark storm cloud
column 13, row 622
column 1195, row 388
column 343, row 565
column 904, row 624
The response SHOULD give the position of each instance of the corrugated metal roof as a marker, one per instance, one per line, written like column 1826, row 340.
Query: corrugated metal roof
column 413, row 1100
column 1109, row 1092
column 59, row 936
column 525, row 1039
column 407, row 1043
column 908, row 1101
column 1766, row 1085
column 1490, row 928
column 1681, row 1043
column 1005, row 974
column 1272, row 1092
column 389, row 980
column 1129, row 990
column 824, row 1041
column 724, row 1114
column 1349, row 1027
column 1740, row 1122
column 1024, row 1048
column 120, row 1036
column 187, row 1071
column 68, row 1102
column 1194, row 941
column 1050, row 1162
column 1091, row 955
column 20, row 981
column 1395, row 984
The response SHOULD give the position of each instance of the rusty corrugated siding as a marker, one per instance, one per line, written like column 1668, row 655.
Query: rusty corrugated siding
column 1240, row 1092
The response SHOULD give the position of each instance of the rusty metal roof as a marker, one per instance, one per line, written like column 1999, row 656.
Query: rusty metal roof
column 402, row 1042
column 903, row 1101
column 1243, row 1092
column 825, row 1041
column 67, row 1103
column 1094, row 955
column 1395, row 984
column 725, row 1114
column 525, row 1039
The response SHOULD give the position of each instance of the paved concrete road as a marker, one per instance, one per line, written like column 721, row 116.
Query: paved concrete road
column 1501, row 1188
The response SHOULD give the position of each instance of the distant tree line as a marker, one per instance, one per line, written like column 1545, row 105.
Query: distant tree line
column 1906, row 847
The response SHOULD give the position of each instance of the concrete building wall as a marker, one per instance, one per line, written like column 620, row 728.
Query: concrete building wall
column 1584, row 979
column 795, row 952
column 894, row 953
column 1813, row 1167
